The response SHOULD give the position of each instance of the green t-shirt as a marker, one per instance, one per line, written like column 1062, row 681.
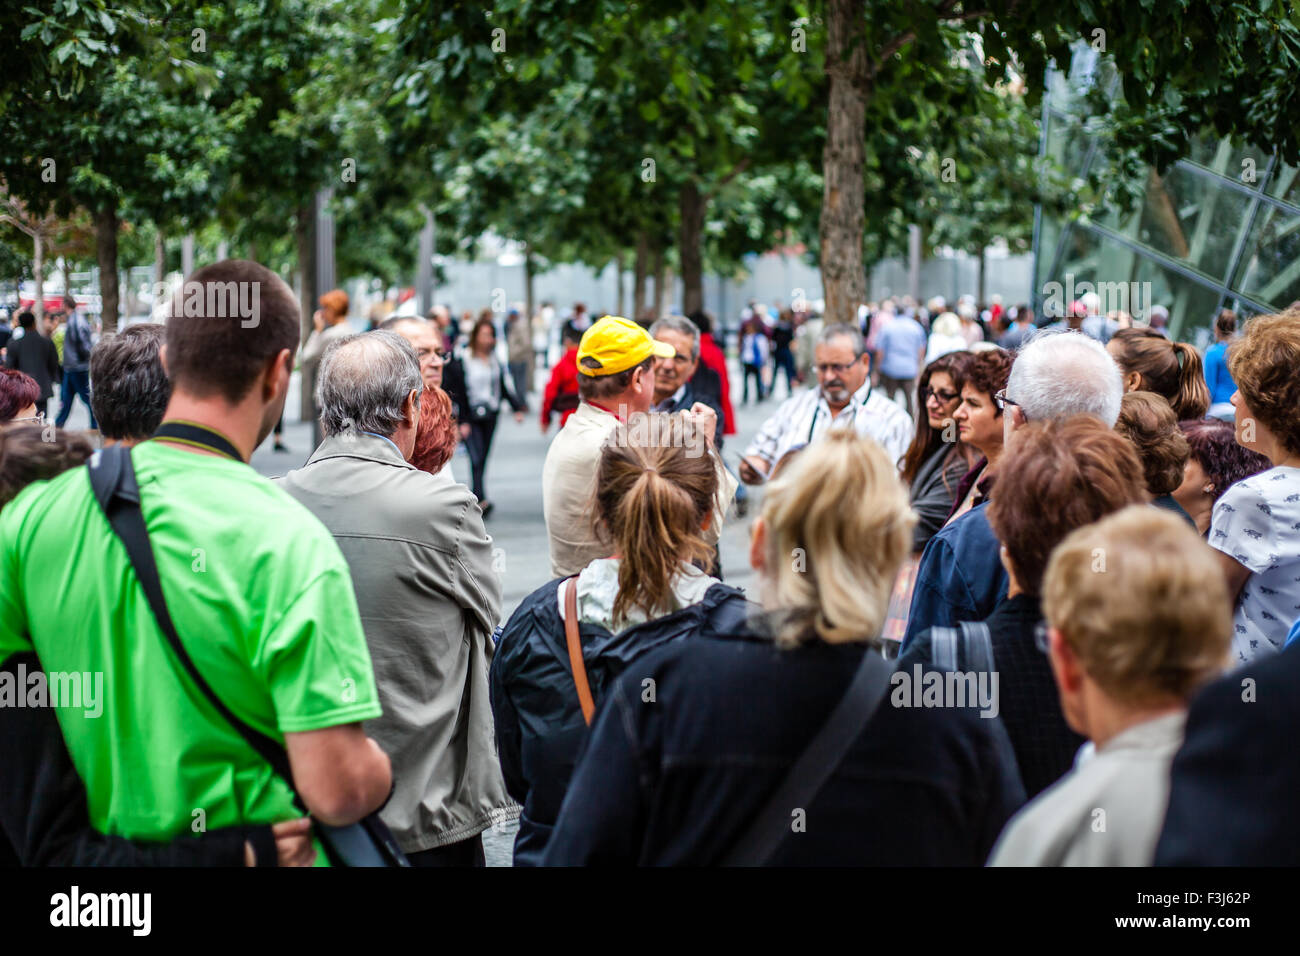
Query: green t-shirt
column 262, row 599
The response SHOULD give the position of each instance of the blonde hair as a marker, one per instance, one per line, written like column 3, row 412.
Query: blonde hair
column 1141, row 600
column 838, row 527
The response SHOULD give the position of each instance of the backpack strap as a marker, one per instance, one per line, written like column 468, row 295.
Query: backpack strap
column 112, row 478
column 575, row 649
column 978, row 645
column 943, row 648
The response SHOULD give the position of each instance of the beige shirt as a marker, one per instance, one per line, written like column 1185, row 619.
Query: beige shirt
column 1107, row 811
column 569, row 485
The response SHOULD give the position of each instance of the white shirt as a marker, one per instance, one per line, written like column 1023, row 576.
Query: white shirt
column 1257, row 522
column 805, row 416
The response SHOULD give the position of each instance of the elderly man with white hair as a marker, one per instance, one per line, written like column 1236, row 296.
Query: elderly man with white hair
column 1055, row 375
column 422, row 569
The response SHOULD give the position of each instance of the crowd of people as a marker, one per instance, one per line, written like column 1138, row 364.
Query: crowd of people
column 1023, row 596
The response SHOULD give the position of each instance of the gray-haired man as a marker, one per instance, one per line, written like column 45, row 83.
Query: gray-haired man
column 843, row 398
column 421, row 565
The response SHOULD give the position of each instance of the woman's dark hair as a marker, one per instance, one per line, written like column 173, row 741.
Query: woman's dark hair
column 483, row 320
column 654, row 486
column 1214, row 447
column 37, row 453
column 926, row 440
column 989, row 372
column 1226, row 324
column 1171, row 369
column 436, row 436
column 1146, row 420
column 17, row 391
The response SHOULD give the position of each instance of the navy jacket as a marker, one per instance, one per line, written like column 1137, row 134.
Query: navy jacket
column 677, row 780
column 1235, row 779
column 961, row 577
column 539, row 723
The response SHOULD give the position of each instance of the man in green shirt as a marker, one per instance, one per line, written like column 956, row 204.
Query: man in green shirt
column 258, row 590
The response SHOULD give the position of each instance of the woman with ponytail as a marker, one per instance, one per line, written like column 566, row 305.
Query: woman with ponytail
column 1152, row 363
column 682, row 781
column 654, row 495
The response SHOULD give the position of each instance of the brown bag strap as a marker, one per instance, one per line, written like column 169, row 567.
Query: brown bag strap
column 575, row 650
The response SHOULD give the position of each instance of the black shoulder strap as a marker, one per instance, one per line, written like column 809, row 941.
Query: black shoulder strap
column 816, row 764
column 113, row 480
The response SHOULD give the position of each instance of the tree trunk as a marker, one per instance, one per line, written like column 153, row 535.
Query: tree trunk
column 639, row 268
column 529, row 271
column 106, row 255
column 305, row 233
column 252, row 250
column 692, row 208
column 658, row 258
column 619, row 297
column 979, row 285
column 842, row 162
column 159, row 257
column 38, row 275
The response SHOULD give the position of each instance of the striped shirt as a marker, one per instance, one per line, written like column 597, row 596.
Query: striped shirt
column 805, row 417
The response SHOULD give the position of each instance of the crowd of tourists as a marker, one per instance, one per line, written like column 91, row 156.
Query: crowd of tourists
column 1022, row 596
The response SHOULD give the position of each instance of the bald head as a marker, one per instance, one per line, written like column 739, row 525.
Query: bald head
column 366, row 383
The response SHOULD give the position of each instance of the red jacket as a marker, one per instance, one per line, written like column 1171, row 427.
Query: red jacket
column 562, row 389
column 711, row 355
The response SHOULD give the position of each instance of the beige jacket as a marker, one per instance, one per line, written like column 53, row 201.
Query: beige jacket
column 430, row 598
column 568, row 491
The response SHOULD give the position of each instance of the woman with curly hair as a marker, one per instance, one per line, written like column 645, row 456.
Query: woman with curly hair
column 979, row 424
column 1256, row 524
column 1215, row 463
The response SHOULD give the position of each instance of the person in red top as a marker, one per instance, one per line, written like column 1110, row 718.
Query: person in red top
column 561, row 395
column 711, row 354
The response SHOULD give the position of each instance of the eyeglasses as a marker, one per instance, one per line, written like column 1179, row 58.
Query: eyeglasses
column 832, row 368
column 927, row 392
column 1001, row 398
column 37, row 419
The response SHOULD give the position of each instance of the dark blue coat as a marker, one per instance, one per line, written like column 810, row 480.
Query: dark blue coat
column 1234, row 781
column 676, row 781
column 539, row 725
column 960, row 578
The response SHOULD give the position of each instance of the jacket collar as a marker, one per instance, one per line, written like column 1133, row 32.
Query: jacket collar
column 360, row 445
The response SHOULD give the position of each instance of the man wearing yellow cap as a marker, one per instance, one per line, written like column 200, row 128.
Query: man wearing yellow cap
column 616, row 377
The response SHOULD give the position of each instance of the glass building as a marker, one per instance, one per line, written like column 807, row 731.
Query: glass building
column 1219, row 229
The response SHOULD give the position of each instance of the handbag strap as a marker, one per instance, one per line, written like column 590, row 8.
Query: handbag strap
column 815, row 765
column 112, row 478
column 575, row 649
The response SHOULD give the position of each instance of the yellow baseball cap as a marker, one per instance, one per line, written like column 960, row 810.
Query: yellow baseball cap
column 618, row 345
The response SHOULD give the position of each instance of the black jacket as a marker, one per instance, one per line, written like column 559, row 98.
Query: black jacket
column 1028, row 703
column 933, row 491
column 1235, row 779
column 678, row 780
column 38, row 357
column 701, row 388
column 453, row 383
column 44, row 820
column 539, row 723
